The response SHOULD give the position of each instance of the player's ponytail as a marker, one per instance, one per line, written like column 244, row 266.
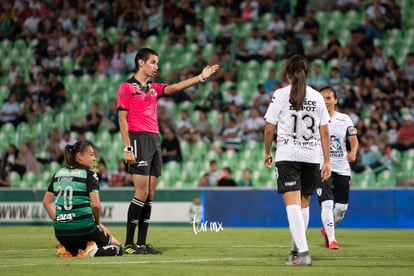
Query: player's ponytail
column 297, row 69
column 72, row 150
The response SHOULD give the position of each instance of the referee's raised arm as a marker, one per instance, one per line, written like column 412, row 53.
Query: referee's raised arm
column 205, row 74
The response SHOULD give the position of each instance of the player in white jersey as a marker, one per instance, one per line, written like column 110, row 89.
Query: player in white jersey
column 333, row 195
column 299, row 114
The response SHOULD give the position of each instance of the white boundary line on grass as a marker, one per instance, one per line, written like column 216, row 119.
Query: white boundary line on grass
column 174, row 261
column 119, row 262
column 8, row 251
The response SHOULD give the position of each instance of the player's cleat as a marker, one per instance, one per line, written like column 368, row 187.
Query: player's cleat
column 292, row 256
column 110, row 250
column 301, row 259
column 89, row 251
column 149, row 249
column 325, row 237
column 140, row 249
column 333, row 245
column 65, row 254
column 61, row 250
column 133, row 249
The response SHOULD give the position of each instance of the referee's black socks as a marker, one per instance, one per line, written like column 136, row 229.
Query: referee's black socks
column 134, row 213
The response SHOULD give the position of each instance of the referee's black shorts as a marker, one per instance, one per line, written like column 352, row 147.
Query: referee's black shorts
column 297, row 176
column 147, row 151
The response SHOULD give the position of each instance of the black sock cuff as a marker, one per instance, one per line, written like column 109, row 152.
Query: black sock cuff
column 137, row 202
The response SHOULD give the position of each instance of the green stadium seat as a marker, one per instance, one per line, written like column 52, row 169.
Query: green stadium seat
column 396, row 155
column 364, row 179
column 267, row 65
column 265, row 178
column 9, row 130
column 213, row 155
column 4, row 145
column 6, row 45
column 4, row 91
column 45, row 178
column 28, row 54
column 101, row 80
column 264, row 20
column 29, row 131
column 237, row 174
column 406, row 168
column 29, row 180
column 81, row 110
column 242, row 70
column 90, row 136
column 15, row 179
column 67, row 63
column 186, row 150
column 6, row 61
column 171, row 174
column 100, row 32
column 225, row 86
column 116, row 79
column 208, row 50
column 243, row 30
column 14, row 54
column 117, row 148
column 20, row 44
column 186, row 59
column 112, row 34
column 86, row 82
column 253, row 65
column 54, row 166
column 188, row 178
column 230, row 159
column 211, row 15
column 386, row 178
column 257, row 179
column 200, row 151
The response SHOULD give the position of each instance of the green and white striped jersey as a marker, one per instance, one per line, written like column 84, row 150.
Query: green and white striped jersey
column 71, row 188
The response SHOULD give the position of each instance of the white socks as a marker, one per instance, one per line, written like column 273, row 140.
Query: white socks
column 327, row 217
column 305, row 215
column 339, row 212
column 332, row 216
column 298, row 219
column 297, row 227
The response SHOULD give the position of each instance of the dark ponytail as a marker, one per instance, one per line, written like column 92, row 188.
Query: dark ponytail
column 297, row 69
column 72, row 150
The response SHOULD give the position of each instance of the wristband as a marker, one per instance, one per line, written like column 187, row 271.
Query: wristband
column 128, row 149
column 200, row 78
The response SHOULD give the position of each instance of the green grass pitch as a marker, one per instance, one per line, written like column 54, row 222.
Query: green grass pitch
column 29, row 250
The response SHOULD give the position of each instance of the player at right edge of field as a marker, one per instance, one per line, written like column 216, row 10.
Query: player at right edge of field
column 333, row 194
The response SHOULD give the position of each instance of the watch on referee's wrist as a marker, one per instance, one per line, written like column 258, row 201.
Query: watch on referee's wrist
column 200, row 78
column 128, row 149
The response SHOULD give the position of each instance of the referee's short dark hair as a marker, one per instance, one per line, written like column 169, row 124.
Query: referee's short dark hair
column 144, row 54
